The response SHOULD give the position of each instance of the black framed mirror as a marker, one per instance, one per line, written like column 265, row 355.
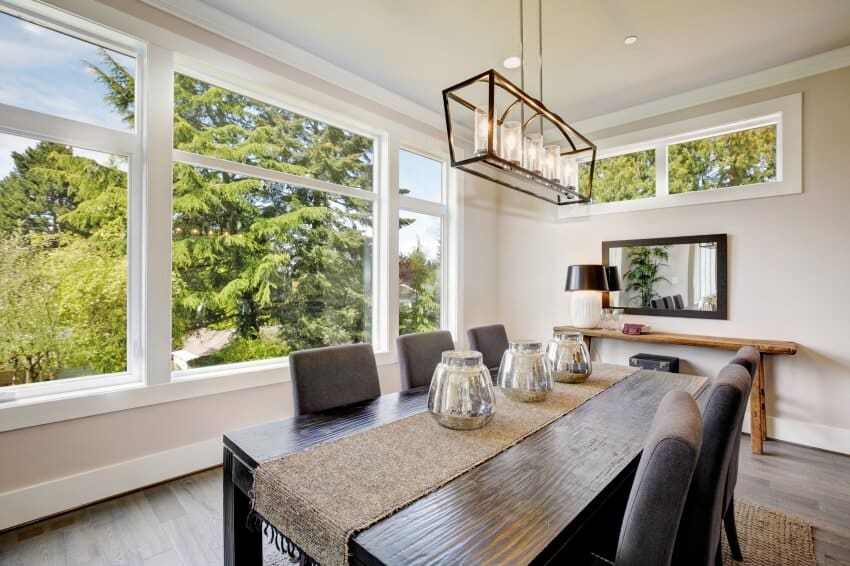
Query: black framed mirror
column 682, row 276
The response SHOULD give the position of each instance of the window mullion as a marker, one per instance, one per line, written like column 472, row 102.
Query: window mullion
column 661, row 168
column 389, row 238
column 156, row 279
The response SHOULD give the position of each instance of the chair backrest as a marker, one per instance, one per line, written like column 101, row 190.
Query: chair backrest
column 699, row 529
column 749, row 358
column 326, row 378
column 660, row 488
column 657, row 303
column 668, row 303
column 419, row 354
column 678, row 302
column 491, row 340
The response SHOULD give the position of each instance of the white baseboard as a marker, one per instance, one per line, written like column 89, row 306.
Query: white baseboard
column 41, row 500
column 815, row 435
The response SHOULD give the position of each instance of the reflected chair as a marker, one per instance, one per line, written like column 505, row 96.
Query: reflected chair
column 492, row 341
column 419, row 354
column 668, row 303
column 661, row 484
column 327, row 378
column 748, row 358
column 698, row 539
column 678, row 302
column 657, row 303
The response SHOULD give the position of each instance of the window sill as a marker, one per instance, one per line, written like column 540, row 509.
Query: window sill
column 34, row 411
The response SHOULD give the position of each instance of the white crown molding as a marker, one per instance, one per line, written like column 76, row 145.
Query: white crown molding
column 225, row 25
column 814, row 65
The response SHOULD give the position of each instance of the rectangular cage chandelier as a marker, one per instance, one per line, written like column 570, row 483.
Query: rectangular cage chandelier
column 500, row 133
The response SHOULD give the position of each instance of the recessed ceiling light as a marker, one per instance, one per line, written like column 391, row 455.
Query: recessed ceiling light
column 512, row 62
column 630, row 40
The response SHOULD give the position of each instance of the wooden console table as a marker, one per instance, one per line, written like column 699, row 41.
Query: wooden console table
column 758, row 415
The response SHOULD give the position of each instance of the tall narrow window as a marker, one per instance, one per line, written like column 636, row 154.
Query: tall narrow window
column 272, row 230
column 421, row 223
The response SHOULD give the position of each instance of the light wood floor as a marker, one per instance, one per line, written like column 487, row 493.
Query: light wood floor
column 179, row 523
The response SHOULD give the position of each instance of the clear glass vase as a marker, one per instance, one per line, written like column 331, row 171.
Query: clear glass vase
column 461, row 394
column 569, row 358
column 524, row 374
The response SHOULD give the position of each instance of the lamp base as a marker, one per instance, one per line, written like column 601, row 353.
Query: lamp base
column 585, row 308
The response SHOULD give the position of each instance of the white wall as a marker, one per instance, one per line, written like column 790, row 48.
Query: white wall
column 788, row 268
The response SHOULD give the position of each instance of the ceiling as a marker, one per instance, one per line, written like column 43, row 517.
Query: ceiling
column 417, row 48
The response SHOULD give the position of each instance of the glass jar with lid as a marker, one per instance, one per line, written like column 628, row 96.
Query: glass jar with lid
column 569, row 357
column 461, row 394
column 524, row 374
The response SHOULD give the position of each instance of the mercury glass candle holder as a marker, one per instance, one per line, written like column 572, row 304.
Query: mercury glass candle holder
column 461, row 394
column 569, row 358
column 524, row 374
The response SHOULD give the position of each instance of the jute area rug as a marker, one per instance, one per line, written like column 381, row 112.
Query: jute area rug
column 770, row 538
column 767, row 537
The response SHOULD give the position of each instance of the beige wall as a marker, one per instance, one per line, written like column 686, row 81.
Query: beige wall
column 789, row 266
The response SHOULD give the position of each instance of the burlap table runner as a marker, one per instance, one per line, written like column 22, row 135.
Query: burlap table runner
column 320, row 497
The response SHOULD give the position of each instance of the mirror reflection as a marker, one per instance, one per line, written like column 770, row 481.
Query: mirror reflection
column 665, row 277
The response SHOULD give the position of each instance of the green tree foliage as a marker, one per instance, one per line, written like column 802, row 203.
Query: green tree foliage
column 623, row 177
column 645, row 262
column 730, row 160
column 251, row 254
column 63, row 273
column 419, row 292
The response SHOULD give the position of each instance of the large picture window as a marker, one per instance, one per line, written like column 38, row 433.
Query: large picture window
column 263, row 263
column 174, row 223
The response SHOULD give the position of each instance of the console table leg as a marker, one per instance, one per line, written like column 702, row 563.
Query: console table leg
column 756, row 410
column 762, row 386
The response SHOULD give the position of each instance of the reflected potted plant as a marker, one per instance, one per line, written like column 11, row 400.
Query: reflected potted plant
column 645, row 263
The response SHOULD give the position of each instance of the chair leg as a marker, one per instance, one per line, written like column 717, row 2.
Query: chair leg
column 732, row 531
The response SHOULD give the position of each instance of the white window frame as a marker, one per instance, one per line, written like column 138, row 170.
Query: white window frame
column 269, row 175
column 161, row 53
column 407, row 203
column 47, row 127
column 785, row 112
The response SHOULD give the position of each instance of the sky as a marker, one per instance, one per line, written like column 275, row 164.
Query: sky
column 45, row 70
column 423, row 177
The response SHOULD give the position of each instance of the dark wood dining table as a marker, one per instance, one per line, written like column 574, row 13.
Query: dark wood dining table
column 532, row 503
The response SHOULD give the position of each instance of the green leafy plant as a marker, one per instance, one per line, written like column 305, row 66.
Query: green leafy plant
column 645, row 263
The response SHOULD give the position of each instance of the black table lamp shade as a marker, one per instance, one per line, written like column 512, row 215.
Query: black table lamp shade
column 612, row 275
column 586, row 278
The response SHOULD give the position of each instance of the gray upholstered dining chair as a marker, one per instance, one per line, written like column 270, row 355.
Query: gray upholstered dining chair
column 660, row 487
column 419, row 354
column 748, row 358
column 698, row 539
column 492, row 341
column 326, row 378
